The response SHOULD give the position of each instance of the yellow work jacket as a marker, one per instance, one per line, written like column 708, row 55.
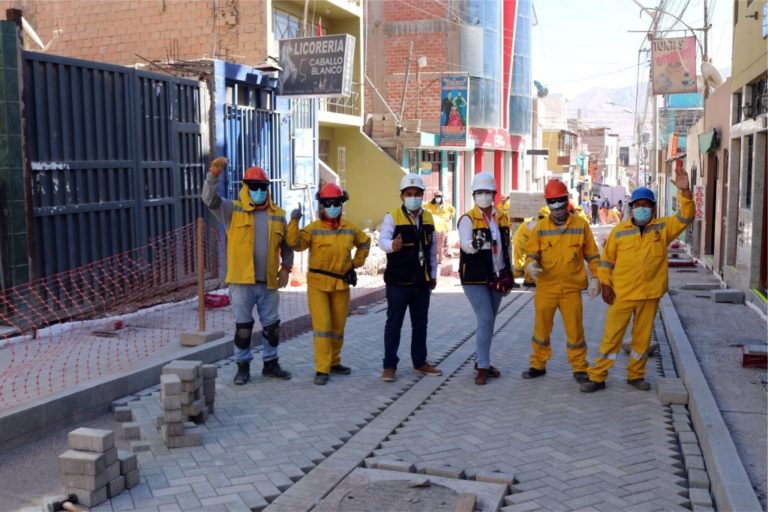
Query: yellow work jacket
column 561, row 252
column 520, row 243
column 330, row 250
column 442, row 215
column 241, row 237
column 635, row 265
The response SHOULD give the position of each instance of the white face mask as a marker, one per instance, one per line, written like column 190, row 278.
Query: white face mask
column 483, row 200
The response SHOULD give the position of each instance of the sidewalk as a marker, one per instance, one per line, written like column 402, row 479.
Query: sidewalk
column 285, row 445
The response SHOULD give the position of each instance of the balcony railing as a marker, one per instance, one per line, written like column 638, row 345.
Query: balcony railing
column 350, row 105
column 566, row 157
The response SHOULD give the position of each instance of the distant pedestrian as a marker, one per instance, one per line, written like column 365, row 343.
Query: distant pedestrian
column 408, row 238
column 593, row 210
column 633, row 274
column 485, row 267
column 330, row 240
column 557, row 249
column 259, row 262
column 604, row 206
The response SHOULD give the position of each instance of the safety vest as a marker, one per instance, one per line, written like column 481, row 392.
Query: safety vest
column 478, row 268
column 241, row 239
column 405, row 267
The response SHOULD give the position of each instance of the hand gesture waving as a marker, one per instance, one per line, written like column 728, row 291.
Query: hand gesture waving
column 681, row 180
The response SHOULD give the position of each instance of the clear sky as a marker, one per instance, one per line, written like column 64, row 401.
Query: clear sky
column 580, row 44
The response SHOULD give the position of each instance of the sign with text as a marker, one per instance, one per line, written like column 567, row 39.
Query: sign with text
column 454, row 108
column 698, row 198
column 317, row 67
column 674, row 65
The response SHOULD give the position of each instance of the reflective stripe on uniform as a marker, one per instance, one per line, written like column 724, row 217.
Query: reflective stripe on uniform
column 605, row 264
column 632, row 231
column 684, row 220
column 238, row 208
column 328, row 334
column 638, row 357
column 592, row 258
column 330, row 232
column 277, row 218
column 366, row 245
column 612, row 357
column 575, row 346
column 533, row 256
column 567, row 231
column 540, row 342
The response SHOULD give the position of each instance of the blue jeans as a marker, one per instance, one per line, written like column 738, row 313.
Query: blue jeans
column 244, row 297
column 416, row 300
column 485, row 302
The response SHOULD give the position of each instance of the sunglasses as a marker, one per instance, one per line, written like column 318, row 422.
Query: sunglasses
column 556, row 200
column 331, row 202
column 258, row 186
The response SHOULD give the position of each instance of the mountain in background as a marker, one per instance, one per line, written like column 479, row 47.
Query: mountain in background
column 612, row 108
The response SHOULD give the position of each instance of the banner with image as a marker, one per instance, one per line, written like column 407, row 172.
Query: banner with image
column 674, row 65
column 454, row 109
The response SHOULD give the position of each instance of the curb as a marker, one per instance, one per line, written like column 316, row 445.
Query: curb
column 731, row 487
column 93, row 398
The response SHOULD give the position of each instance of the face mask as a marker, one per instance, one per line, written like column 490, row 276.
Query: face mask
column 642, row 215
column 258, row 196
column 437, row 200
column 333, row 211
column 559, row 215
column 557, row 205
column 412, row 203
column 483, row 200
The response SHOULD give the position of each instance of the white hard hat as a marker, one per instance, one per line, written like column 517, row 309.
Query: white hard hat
column 483, row 181
column 412, row 180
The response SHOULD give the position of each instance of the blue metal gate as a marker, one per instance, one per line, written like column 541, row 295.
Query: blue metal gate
column 117, row 158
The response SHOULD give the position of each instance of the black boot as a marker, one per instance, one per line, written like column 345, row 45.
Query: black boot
column 272, row 369
column 243, row 374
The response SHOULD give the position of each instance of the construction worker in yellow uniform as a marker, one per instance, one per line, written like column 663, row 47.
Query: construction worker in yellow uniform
column 330, row 240
column 442, row 213
column 519, row 244
column 555, row 255
column 633, row 274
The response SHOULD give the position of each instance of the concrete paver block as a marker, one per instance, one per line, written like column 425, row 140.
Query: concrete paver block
column 687, row 437
column 88, row 498
column 697, row 478
column 132, row 479
column 444, row 471
column 693, row 461
column 690, row 449
column 171, row 402
column 395, row 465
column 493, row 477
column 184, row 441
column 194, row 408
column 92, row 482
column 73, row 462
column 131, row 430
column 195, row 338
column 189, row 386
column 682, row 426
column 115, row 487
column 671, row 391
column 210, row 371
column 731, row 296
column 700, row 497
column 110, row 456
column 140, row 446
column 172, row 429
column 700, row 286
column 170, row 384
column 91, row 439
column 123, row 413
column 170, row 416
column 128, row 461
column 186, row 370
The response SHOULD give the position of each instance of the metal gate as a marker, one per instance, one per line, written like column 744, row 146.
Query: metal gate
column 116, row 155
column 252, row 137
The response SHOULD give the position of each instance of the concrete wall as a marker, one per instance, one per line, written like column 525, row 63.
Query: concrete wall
column 750, row 52
column 114, row 31
column 717, row 116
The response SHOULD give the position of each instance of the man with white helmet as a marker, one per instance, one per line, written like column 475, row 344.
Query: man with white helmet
column 408, row 238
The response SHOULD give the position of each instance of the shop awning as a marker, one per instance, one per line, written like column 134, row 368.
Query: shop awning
column 708, row 141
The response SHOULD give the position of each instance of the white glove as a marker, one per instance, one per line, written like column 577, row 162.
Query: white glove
column 594, row 287
column 533, row 270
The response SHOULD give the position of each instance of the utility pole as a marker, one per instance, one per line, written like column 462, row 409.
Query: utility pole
column 654, row 131
column 405, row 88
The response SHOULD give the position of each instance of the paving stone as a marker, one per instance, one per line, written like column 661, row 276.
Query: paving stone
column 732, row 296
column 697, row 478
column 395, row 465
column 91, row 439
column 700, row 497
column 444, row 471
column 186, row 370
column 128, row 461
column 170, row 384
column 688, row 437
column 671, row 391
column 123, row 413
column 132, row 479
column 73, row 462
column 693, row 461
column 210, row 371
column 92, row 482
column 131, row 430
column 86, row 497
column 140, row 446
column 116, row 486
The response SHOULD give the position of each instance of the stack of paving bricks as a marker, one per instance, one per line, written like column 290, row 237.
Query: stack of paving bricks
column 187, row 390
column 523, row 205
column 93, row 469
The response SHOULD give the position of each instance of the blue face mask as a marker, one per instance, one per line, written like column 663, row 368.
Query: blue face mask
column 642, row 215
column 333, row 211
column 258, row 196
column 557, row 205
column 412, row 203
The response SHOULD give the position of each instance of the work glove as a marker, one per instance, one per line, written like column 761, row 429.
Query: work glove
column 296, row 214
column 594, row 287
column 533, row 270
column 282, row 277
column 477, row 243
column 217, row 166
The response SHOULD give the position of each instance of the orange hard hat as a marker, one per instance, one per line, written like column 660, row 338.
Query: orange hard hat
column 554, row 189
column 255, row 174
column 332, row 191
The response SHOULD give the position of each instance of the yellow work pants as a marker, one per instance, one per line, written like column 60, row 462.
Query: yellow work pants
column 616, row 321
column 329, row 312
column 545, row 304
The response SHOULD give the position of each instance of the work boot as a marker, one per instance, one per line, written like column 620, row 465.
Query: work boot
column 482, row 376
column 272, row 369
column 581, row 377
column 640, row 384
column 243, row 374
column 321, row 379
column 591, row 386
column 388, row 375
column 532, row 373
column 340, row 369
